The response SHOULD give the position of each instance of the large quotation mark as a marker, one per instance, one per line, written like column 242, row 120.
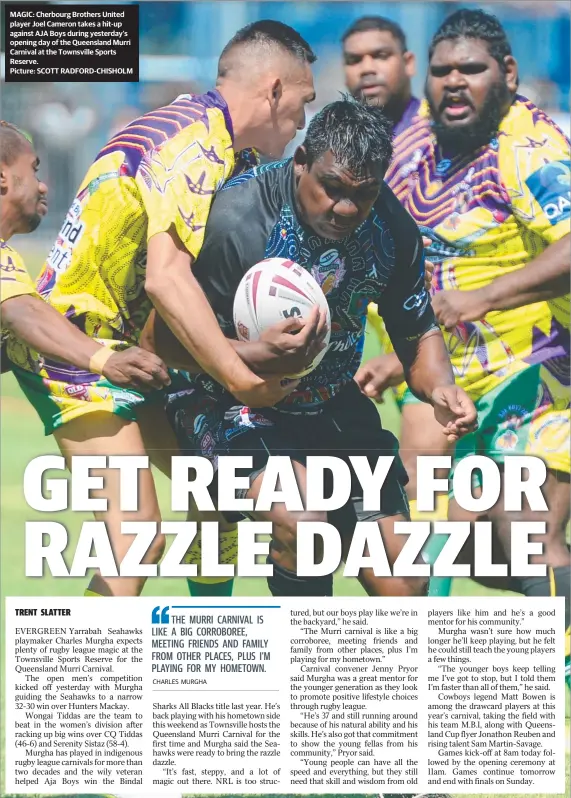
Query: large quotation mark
column 160, row 615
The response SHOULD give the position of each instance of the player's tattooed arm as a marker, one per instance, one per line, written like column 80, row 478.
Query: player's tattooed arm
column 545, row 277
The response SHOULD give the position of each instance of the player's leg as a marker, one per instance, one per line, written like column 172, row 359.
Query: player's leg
column 283, row 547
column 421, row 436
column 544, row 432
column 526, row 415
column 161, row 444
column 466, row 555
column 227, row 555
column 158, row 436
column 393, row 544
column 108, row 434
column 555, row 554
column 355, row 429
column 97, row 418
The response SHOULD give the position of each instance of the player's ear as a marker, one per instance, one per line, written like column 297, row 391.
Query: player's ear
column 409, row 63
column 276, row 91
column 512, row 78
column 3, row 178
column 300, row 161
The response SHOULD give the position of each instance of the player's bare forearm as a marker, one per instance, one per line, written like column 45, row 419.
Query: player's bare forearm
column 158, row 338
column 545, row 277
column 46, row 331
column 426, row 364
column 180, row 301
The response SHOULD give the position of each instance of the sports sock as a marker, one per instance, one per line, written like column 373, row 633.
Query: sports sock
column 215, row 585
column 197, row 589
column 286, row 583
column 438, row 585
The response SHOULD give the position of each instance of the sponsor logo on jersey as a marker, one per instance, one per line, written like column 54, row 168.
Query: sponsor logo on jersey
column 417, row 302
column 69, row 235
column 552, row 435
column 551, row 186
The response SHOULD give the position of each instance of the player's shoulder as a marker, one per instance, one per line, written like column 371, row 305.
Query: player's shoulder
column 261, row 190
column 525, row 119
column 526, row 128
column 401, row 227
column 411, row 145
column 531, row 146
column 199, row 121
column 275, row 173
column 10, row 257
column 417, row 133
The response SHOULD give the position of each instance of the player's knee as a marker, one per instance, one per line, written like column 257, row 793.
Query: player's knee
column 414, row 586
column 156, row 549
column 409, row 462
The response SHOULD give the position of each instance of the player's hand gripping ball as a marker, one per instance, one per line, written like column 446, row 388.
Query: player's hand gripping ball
column 273, row 290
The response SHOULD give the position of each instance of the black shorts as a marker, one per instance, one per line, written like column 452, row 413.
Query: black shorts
column 347, row 425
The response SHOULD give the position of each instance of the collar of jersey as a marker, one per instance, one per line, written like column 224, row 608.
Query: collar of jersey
column 213, row 99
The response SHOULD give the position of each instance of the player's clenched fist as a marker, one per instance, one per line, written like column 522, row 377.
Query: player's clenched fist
column 135, row 368
column 378, row 374
column 454, row 409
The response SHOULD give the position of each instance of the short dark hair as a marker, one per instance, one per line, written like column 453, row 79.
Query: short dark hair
column 12, row 142
column 359, row 135
column 468, row 23
column 364, row 24
column 270, row 33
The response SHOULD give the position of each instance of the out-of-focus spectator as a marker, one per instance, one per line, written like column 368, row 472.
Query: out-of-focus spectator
column 379, row 68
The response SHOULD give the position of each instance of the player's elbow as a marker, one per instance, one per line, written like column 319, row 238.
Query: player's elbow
column 17, row 312
column 154, row 287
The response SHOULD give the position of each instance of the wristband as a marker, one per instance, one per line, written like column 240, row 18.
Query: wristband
column 99, row 359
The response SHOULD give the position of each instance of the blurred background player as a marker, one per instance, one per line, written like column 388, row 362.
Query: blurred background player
column 485, row 174
column 128, row 243
column 379, row 68
column 26, row 319
column 328, row 210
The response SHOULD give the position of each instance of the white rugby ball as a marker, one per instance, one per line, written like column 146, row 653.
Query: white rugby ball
column 273, row 290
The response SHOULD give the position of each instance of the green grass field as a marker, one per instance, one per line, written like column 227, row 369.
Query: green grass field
column 21, row 440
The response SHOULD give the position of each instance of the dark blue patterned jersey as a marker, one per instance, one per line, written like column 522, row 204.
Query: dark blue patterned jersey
column 255, row 216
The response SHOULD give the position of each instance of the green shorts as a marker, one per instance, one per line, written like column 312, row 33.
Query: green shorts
column 406, row 398
column 57, row 402
column 520, row 417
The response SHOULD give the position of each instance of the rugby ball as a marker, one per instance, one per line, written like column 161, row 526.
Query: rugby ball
column 273, row 290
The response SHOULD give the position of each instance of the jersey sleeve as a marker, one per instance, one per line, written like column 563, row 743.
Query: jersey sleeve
column 535, row 167
column 14, row 277
column 177, row 183
column 405, row 304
